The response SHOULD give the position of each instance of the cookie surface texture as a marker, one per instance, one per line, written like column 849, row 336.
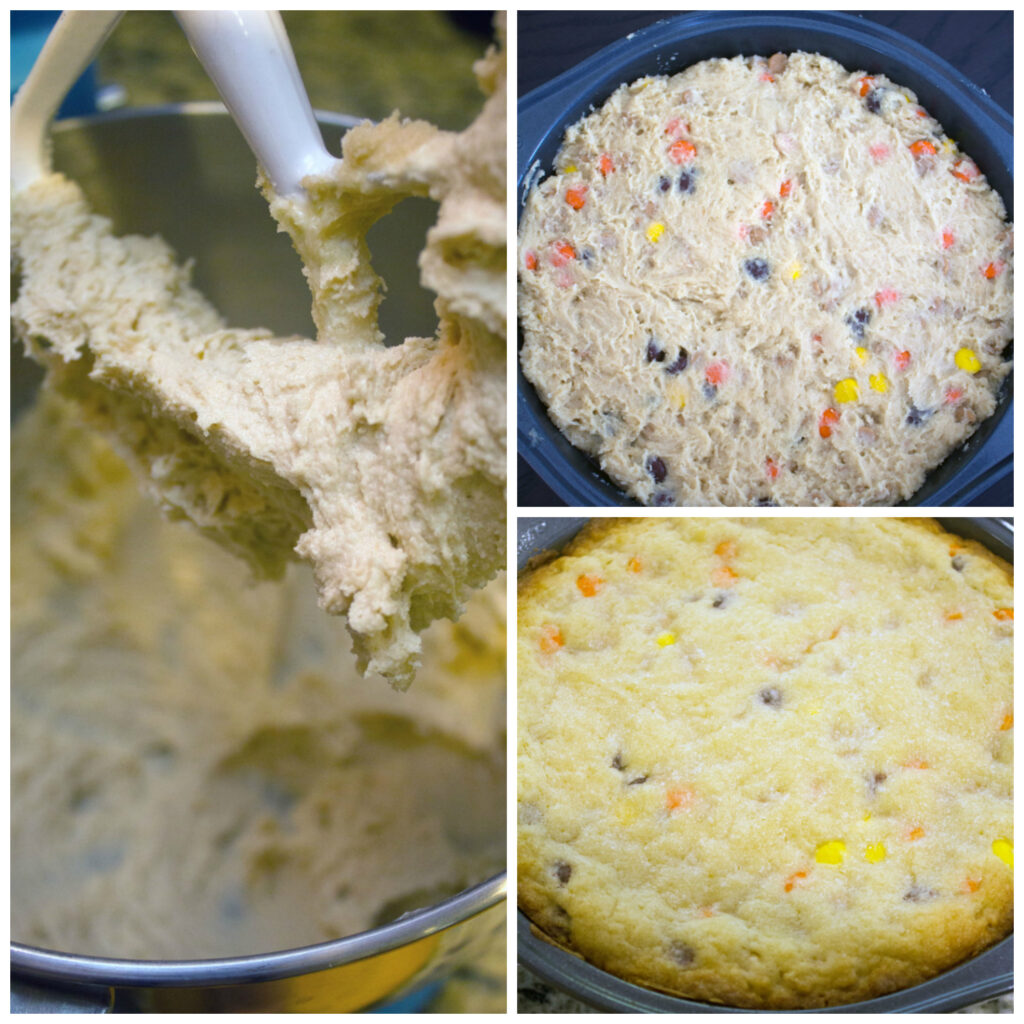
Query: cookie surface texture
column 767, row 763
column 765, row 282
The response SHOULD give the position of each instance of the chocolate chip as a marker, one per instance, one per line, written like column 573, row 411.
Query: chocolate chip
column 664, row 184
column 563, row 872
column 766, row 503
column 720, row 601
column 686, row 183
column 710, row 391
column 657, row 468
column 664, row 498
column 655, row 353
column 919, row 894
column 617, row 763
column 680, row 362
column 757, row 268
column 638, row 781
column 858, row 320
column 959, row 563
column 771, row 696
column 916, row 417
column 875, row 781
column 873, row 101
column 682, row 954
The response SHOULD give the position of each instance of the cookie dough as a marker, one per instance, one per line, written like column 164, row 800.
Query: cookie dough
column 767, row 763
column 198, row 770
column 384, row 468
column 765, row 282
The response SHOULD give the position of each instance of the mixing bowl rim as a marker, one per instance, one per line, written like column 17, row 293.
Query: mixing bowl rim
column 193, row 108
column 82, row 969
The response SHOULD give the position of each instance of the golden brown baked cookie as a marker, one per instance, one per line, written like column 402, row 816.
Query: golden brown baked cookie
column 767, row 763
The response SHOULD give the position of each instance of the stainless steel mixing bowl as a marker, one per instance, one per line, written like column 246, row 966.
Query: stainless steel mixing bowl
column 185, row 173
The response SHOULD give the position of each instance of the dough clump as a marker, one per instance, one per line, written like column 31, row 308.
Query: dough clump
column 384, row 468
column 765, row 282
column 198, row 769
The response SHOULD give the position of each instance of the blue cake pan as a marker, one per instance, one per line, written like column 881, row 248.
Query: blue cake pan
column 981, row 127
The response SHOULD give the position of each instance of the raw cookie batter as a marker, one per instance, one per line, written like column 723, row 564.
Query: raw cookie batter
column 197, row 768
column 384, row 468
column 765, row 282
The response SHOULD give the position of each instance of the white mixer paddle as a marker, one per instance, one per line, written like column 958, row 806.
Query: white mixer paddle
column 71, row 45
column 247, row 55
column 249, row 58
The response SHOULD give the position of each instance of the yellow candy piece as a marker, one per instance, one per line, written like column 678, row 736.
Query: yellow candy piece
column 967, row 360
column 867, row 816
column 879, row 382
column 666, row 639
column 570, row 169
column 654, row 232
column 874, row 852
column 796, row 271
column 847, row 390
column 831, row 852
column 862, row 353
column 1003, row 849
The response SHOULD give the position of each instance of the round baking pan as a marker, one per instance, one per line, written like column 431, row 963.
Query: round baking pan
column 981, row 126
column 184, row 172
column 982, row 977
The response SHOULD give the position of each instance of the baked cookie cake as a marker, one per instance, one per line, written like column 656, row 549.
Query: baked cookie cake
column 765, row 282
column 767, row 763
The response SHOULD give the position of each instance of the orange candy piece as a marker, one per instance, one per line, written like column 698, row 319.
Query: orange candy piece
column 947, row 239
column 726, row 549
column 791, row 882
column 866, row 85
column 723, row 577
column 530, row 259
column 576, row 197
column 785, row 188
column 771, row 468
column 965, row 170
column 922, row 148
column 564, row 252
column 993, row 270
column 767, row 210
column 915, row 833
column 551, row 639
column 1004, row 614
column 902, row 359
column 682, row 152
column 829, row 418
column 680, row 798
column 1007, row 723
column 606, row 164
column 589, row 584
column 634, row 564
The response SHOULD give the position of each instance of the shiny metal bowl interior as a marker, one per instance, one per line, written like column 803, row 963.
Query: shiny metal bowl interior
column 986, row 975
column 185, row 172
